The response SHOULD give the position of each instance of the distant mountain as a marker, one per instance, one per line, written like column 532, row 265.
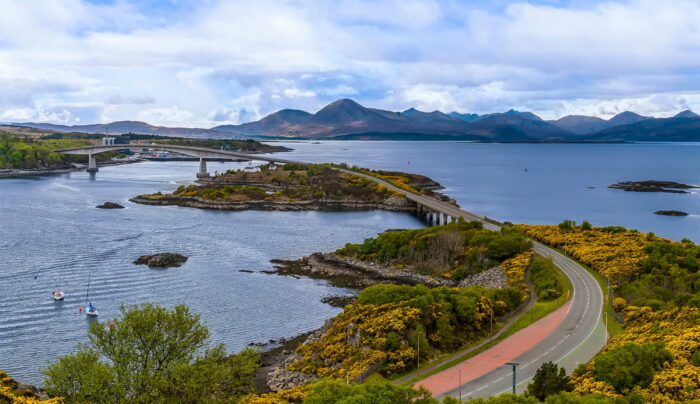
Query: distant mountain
column 686, row 114
column 120, row 127
column 518, row 127
column 347, row 119
column 581, row 124
column 464, row 117
column 673, row 129
column 626, row 118
column 512, row 112
column 585, row 125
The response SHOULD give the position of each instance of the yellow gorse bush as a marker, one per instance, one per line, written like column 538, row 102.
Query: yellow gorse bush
column 614, row 255
column 679, row 331
column 515, row 268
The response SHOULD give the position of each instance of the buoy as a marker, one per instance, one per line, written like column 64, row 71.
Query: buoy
column 80, row 309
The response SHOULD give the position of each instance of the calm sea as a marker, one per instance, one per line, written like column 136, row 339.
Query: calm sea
column 51, row 235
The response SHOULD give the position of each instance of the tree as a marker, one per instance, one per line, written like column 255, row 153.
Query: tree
column 630, row 365
column 337, row 392
column 153, row 355
column 549, row 379
column 586, row 225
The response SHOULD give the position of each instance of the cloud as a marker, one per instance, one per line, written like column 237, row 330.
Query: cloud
column 118, row 99
column 215, row 61
column 166, row 116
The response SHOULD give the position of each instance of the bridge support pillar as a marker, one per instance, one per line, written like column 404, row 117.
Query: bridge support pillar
column 442, row 218
column 92, row 164
column 202, row 169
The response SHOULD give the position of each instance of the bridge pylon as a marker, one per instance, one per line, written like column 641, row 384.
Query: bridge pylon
column 202, row 168
column 92, row 164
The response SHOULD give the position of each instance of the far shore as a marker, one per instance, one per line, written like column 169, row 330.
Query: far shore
column 24, row 173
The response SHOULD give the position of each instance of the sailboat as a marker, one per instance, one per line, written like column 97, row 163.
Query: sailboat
column 90, row 310
column 58, row 293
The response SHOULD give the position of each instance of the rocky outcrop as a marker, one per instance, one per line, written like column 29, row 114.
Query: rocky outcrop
column 491, row 278
column 671, row 213
column 653, row 186
column 280, row 378
column 110, row 205
column 161, row 260
column 393, row 203
column 353, row 273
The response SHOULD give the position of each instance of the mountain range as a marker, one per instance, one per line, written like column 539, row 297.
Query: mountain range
column 345, row 119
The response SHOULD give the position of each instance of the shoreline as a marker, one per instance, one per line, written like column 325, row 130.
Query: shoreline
column 329, row 205
column 12, row 173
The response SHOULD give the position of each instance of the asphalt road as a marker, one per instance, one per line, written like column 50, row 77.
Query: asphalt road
column 576, row 340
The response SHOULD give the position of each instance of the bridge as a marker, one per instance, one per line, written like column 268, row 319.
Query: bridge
column 575, row 340
column 202, row 152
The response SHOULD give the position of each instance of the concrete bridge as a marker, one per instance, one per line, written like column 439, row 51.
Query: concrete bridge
column 202, row 152
column 575, row 340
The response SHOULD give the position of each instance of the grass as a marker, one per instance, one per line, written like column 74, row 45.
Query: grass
column 540, row 310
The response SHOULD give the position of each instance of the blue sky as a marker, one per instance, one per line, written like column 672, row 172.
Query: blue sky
column 210, row 62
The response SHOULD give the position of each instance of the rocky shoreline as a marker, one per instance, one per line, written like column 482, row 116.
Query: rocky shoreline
column 393, row 203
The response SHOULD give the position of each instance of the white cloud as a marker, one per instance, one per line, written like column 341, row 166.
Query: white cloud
column 166, row 116
column 230, row 61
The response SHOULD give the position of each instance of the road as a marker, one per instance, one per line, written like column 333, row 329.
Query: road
column 576, row 339
column 579, row 336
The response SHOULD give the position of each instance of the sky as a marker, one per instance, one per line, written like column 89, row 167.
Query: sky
column 207, row 63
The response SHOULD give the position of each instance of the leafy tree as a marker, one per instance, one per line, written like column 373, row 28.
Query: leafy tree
column 586, row 225
column 567, row 225
column 549, row 379
column 153, row 355
column 630, row 365
column 337, row 392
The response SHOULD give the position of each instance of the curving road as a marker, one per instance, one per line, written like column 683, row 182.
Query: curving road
column 579, row 336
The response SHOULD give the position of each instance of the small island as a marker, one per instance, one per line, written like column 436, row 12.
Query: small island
column 652, row 186
column 671, row 213
column 161, row 260
column 109, row 205
column 294, row 187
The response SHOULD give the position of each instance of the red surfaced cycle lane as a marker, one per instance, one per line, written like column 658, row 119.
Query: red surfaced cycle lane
column 496, row 356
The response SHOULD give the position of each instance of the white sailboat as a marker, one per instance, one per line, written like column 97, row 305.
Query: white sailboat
column 90, row 310
column 58, row 293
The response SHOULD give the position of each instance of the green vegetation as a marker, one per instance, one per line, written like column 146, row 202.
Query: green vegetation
column 669, row 277
column 336, row 392
column 630, row 365
column 455, row 250
column 549, row 379
column 547, row 279
column 384, row 329
column 151, row 355
column 290, row 182
column 29, row 153
column 541, row 309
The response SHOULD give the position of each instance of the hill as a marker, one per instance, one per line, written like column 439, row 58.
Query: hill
column 346, row 119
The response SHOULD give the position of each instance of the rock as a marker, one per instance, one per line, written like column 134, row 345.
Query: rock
column 491, row 278
column 652, row 186
column 161, row 260
column 338, row 301
column 671, row 213
column 110, row 205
